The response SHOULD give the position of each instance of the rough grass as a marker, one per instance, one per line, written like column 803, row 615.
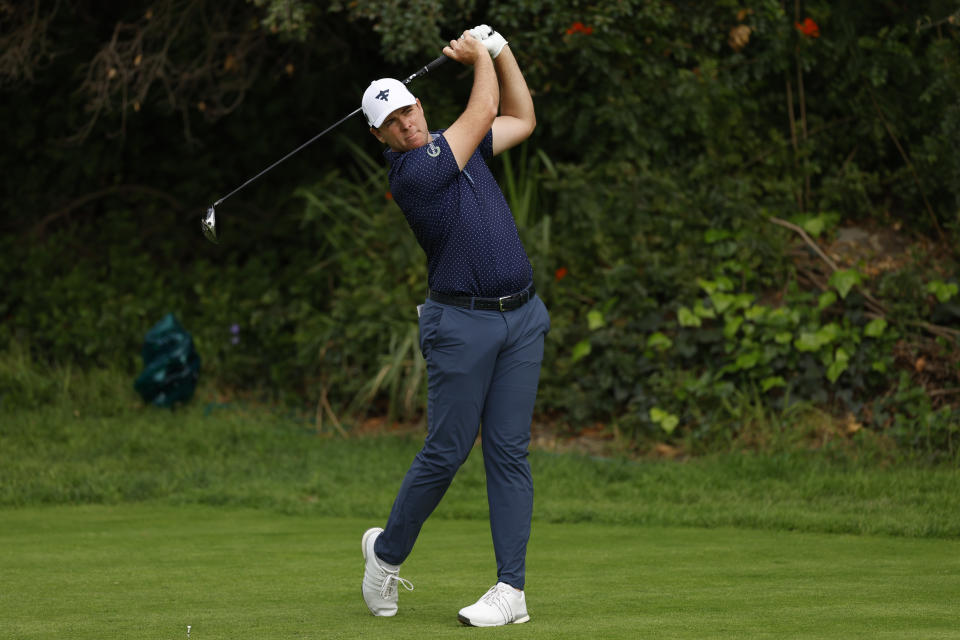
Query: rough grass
column 208, row 454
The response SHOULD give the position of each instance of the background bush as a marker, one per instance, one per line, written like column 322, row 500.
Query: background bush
column 691, row 162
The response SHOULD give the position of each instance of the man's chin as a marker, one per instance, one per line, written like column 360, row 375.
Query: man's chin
column 415, row 142
column 409, row 144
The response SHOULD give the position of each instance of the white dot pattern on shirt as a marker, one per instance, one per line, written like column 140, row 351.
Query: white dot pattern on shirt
column 461, row 220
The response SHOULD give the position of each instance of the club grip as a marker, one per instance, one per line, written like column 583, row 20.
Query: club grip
column 433, row 64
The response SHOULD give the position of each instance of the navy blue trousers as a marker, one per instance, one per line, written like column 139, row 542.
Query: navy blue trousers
column 483, row 367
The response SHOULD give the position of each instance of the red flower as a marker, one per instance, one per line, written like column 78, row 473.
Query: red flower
column 579, row 27
column 809, row 28
column 388, row 195
column 561, row 273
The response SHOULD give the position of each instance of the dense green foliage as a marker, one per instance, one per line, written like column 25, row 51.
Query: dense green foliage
column 684, row 201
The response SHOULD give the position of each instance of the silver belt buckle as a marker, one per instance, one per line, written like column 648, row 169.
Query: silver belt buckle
column 501, row 299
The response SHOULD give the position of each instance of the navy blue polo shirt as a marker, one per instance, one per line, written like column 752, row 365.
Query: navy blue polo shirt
column 461, row 220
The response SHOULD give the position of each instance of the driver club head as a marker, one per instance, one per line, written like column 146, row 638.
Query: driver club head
column 209, row 225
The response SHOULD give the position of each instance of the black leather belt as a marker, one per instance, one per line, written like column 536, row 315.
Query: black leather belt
column 503, row 303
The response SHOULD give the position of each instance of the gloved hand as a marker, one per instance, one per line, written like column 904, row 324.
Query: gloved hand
column 493, row 41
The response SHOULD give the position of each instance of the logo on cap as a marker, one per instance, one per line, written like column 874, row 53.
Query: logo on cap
column 383, row 95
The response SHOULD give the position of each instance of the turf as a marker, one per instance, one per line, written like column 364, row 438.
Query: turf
column 133, row 523
column 147, row 571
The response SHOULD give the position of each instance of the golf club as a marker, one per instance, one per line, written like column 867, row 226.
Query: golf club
column 209, row 221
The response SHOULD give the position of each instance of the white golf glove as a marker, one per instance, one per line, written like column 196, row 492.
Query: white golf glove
column 493, row 41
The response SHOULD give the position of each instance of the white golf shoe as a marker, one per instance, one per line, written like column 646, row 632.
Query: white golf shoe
column 501, row 605
column 379, row 585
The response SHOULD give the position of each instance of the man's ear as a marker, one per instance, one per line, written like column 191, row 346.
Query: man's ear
column 376, row 134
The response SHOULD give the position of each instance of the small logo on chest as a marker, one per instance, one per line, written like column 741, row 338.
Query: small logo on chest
column 433, row 150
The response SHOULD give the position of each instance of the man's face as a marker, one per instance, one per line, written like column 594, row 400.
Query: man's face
column 404, row 129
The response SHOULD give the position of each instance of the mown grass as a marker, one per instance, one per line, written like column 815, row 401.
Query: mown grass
column 148, row 571
column 118, row 520
column 232, row 456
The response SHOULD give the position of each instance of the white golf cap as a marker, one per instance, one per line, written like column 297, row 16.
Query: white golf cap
column 384, row 96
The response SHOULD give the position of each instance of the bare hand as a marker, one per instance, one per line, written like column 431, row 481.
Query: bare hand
column 467, row 50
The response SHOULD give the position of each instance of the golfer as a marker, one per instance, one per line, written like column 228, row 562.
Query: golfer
column 482, row 326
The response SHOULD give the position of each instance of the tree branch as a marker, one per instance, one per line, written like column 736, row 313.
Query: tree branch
column 191, row 50
column 25, row 45
column 878, row 309
column 39, row 228
column 913, row 170
column 872, row 302
column 806, row 238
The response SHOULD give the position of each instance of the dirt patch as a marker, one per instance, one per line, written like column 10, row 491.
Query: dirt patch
column 874, row 251
column 592, row 441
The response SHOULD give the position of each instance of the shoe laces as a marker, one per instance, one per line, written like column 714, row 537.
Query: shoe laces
column 497, row 598
column 389, row 588
column 495, row 594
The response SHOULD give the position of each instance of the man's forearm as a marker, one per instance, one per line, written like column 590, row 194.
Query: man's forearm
column 485, row 93
column 515, row 98
column 466, row 133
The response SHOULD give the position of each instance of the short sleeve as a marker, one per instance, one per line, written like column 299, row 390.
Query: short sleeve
column 486, row 146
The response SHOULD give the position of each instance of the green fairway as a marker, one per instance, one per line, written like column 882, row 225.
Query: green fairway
column 246, row 524
column 142, row 571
